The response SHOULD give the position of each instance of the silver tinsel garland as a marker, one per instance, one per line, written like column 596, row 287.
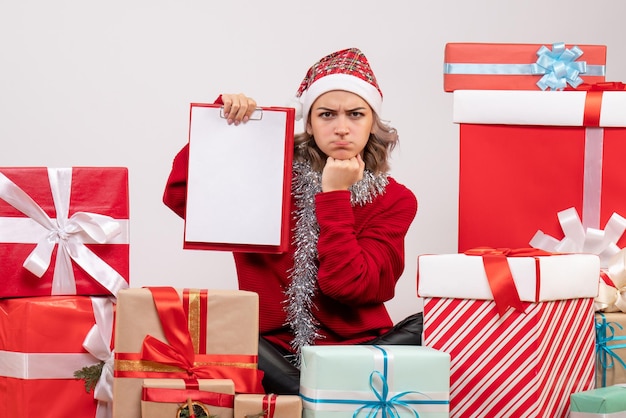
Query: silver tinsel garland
column 301, row 291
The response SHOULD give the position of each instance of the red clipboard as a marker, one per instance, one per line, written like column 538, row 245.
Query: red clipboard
column 239, row 180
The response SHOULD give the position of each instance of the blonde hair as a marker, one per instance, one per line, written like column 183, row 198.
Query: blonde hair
column 381, row 142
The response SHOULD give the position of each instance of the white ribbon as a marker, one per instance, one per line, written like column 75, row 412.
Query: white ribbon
column 613, row 298
column 602, row 243
column 43, row 365
column 68, row 233
column 98, row 344
column 577, row 239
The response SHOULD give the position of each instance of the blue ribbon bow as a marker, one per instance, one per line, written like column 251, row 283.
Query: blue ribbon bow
column 386, row 406
column 604, row 352
column 558, row 67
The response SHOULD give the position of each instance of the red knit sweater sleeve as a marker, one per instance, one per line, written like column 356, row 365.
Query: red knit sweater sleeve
column 175, row 193
column 361, row 250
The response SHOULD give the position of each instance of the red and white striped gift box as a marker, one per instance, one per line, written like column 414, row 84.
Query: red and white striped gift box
column 521, row 363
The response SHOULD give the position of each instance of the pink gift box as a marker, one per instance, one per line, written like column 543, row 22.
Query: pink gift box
column 63, row 231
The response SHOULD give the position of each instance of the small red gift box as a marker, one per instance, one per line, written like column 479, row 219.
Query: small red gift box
column 268, row 406
column 165, row 398
column 63, row 231
column 492, row 66
column 43, row 342
column 527, row 156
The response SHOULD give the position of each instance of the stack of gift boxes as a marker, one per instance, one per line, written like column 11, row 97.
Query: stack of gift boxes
column 64, row 256
column 75, row 340
column 532, row 307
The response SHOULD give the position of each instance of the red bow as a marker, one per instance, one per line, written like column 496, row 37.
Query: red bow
column 180, row 352
column 499, row 274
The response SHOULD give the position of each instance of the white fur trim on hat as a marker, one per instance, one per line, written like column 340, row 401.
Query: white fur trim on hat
column 344, row 82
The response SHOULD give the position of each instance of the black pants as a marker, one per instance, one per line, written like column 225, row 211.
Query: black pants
column 283, row 378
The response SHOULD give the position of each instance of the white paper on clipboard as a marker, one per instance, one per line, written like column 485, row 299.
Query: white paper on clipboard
column 236, row 178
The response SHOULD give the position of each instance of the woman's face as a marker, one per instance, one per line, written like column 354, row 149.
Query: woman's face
column 341, row 123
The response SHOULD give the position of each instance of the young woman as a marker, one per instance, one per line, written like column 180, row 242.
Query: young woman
column 349, row 223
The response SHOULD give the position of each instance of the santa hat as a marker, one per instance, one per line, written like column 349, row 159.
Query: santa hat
column 346, row 70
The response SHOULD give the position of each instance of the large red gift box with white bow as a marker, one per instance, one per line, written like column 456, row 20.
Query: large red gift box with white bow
column 544, row 166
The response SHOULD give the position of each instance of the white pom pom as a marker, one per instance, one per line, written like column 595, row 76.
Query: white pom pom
column 296, row 104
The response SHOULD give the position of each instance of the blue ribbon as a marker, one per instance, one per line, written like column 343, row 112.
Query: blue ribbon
column 604, row 352
column 387, row 407
column 559, row 67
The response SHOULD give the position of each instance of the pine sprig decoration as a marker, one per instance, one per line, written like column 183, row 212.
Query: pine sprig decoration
column 91, row 375
column 197, row 409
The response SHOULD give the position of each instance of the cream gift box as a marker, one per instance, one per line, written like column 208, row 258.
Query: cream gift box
column 163, row 332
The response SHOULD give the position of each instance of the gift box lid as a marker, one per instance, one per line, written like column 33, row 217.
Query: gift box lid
column 604, row 400
column 537, row 279
column 508, row 66
column 552, row 108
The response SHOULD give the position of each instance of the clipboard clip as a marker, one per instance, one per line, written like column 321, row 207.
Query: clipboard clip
column 256, row 115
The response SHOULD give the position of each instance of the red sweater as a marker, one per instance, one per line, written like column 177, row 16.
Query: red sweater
column 360, row 253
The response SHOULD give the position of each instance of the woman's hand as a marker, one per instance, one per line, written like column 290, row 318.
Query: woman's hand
column 238, row 107
column 341, row 174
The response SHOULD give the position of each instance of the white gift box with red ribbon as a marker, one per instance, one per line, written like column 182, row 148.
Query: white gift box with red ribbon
column 520, row 361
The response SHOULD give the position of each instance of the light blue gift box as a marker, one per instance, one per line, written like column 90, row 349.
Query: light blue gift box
column 342, row 381
column 608, row 402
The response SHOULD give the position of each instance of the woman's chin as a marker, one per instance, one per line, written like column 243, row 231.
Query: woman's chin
column 342, row 155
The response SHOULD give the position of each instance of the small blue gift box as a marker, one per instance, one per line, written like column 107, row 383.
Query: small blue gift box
column 340, row 381
column 608, row 402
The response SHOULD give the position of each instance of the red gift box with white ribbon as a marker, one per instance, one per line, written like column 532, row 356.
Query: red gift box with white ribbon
column 43, row 343
column 526, row 156
column 63, row 231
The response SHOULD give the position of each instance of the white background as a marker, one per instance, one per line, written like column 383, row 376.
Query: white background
column 86, row 83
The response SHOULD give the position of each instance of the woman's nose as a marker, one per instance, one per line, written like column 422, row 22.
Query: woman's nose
column 341, row 130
